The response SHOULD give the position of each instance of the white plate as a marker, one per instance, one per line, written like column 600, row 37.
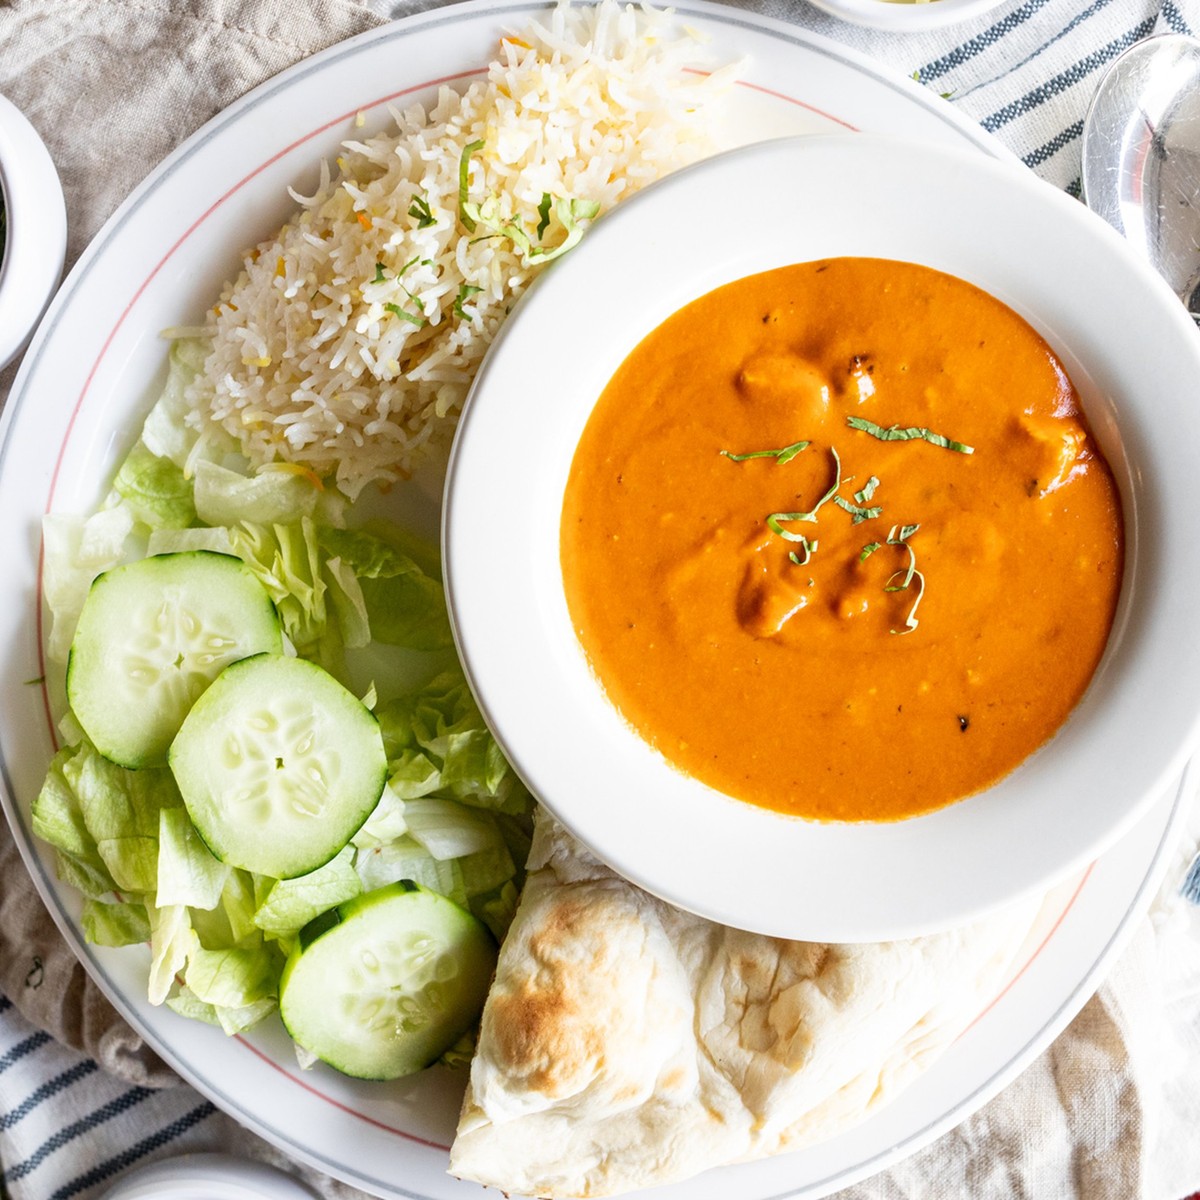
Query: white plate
column 76, row 405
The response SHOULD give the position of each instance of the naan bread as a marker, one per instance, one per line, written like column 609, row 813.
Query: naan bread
column 626, row 1043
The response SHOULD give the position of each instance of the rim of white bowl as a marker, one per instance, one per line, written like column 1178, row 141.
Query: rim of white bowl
column 35, row 243
column 549, row 713
column 906, row 16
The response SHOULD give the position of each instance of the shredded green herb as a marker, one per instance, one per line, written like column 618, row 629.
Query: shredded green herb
column 464, row 172
column 465, row 292
column 420, row 211
column 898, row 433
column 544, row 214
column 910, row 621
column 414, row 318
column 910, row 573
column 863, row 496
column 868, row 550
column 783, row 455
column 808, row 548
column 380, row 277
column 774, row 521
column 858, row 513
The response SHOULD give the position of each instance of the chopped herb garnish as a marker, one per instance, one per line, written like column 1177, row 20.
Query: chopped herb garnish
column 910, row 573
column 420, row 211
column 783, row 455
column 910, row 621
column 414, row 318
column 907, row 573
column 464, row 172
column 380, row 277
column 775, row 519
column 864, row 495
column 898, row 433
column 544, row 214
column 465, row 292
column 859, row 514
column 868, row 550
column 808, row 548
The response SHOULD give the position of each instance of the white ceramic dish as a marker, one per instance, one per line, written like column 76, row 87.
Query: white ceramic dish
column 32, row 258
column 905, row 16
column 1131, row 351
column 76, row 404
column 208, row 1177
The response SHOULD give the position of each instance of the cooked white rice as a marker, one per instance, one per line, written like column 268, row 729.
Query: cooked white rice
column 309, row 363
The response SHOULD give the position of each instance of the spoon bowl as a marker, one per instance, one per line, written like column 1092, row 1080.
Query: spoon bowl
column 1141, row 156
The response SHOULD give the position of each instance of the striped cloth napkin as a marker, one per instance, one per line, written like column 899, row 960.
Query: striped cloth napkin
column 1108, row 1113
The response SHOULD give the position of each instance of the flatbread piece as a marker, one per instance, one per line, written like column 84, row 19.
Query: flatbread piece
column 626, row 1043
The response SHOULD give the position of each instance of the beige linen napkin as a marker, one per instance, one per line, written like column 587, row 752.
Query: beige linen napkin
column 1108, row 1113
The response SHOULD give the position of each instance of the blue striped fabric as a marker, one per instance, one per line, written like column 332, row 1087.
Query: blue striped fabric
column 68, row 1130
column 1026, row 72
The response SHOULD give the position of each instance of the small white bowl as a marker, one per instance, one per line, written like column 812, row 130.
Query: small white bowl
column 906, row 16
column 208, row 1177
column 35, row 242
column 1133, row 355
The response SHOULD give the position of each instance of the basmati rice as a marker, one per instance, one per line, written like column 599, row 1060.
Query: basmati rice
column 348, row 343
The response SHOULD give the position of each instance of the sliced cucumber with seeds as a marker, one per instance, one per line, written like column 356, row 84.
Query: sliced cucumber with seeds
column 152, row 636
column 278, row 765
column 383, row 985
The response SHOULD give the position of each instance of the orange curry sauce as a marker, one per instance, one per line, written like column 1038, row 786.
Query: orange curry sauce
column 819, row 677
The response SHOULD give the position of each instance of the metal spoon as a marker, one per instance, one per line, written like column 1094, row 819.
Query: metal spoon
column 1141, row 173
column 1141, row 156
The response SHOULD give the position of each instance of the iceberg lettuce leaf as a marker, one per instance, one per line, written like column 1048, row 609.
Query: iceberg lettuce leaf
column 167, row 430
column 188, row 873
column 272, row 496
column 120, row 810
column 171, row 939
column 74, row 552
column 292, row 903
column 235, row 977
column 405, row 606
column 155, row 489
column 442, row 725
column 119, row 923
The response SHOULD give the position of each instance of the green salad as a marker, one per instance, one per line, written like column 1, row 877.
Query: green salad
column 250, row 783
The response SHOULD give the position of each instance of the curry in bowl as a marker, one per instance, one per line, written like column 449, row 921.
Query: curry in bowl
column 984, row 685
column 837, row 540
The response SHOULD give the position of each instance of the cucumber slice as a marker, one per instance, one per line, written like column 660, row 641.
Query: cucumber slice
column 152, row 636
column 383, row 985
column 278, row 765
